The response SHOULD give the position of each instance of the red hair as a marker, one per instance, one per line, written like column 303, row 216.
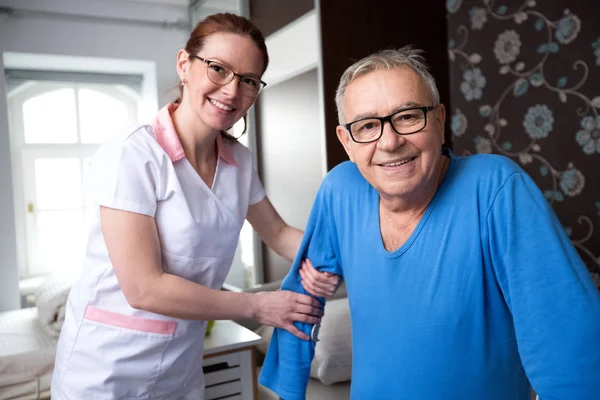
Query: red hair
column 225, row 23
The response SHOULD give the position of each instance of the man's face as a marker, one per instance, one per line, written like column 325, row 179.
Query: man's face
column 397, row 166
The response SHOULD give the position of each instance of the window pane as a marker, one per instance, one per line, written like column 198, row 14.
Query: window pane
column 57, row 183
column 88, row 205
column 237, row 130
column 50, row 117
column 246, row 242
column 61, row 241
column 100, row 115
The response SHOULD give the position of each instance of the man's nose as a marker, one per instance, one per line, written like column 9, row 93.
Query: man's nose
column 389, row 139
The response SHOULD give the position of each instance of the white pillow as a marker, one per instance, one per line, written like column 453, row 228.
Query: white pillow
column 333, row 353
column 51, row 298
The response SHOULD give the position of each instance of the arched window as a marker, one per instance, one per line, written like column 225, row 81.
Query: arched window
column 55, row 128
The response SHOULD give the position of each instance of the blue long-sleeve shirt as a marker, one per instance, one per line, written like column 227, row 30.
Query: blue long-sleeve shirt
column 486, row 295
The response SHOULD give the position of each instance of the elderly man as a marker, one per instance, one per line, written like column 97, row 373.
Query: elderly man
column 461, row 282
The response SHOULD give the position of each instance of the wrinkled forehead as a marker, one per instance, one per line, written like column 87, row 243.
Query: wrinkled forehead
column 385, row 89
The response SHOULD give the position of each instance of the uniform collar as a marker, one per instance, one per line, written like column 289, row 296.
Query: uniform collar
column 167, row 138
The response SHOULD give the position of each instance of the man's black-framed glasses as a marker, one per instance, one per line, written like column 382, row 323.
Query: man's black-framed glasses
column 222, row 75
column 403, row 122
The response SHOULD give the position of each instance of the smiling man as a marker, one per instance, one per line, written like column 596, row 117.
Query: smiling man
column 461, row 281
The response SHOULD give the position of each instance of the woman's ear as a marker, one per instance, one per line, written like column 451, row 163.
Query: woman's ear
column 183, row 64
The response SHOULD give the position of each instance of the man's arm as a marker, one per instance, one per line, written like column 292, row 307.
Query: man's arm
column 554, row 303
column 286, row 369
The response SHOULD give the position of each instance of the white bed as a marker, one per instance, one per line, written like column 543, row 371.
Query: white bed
column 28, row 340
column 26, row 356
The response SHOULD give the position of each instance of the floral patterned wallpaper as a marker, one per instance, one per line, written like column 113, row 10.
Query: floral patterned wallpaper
column 525, row 83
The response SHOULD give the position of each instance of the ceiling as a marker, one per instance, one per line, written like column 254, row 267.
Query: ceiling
column 216, row 4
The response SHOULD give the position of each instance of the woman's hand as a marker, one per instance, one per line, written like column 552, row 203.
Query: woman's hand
column 281, row 308
column 320, row 284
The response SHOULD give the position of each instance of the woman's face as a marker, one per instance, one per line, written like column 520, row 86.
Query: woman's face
column 220, row 106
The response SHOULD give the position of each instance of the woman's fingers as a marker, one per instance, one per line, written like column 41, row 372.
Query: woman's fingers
column 308, row 319
column 307, row 305
column 309, row 310
column 310, row 288
column 305, row 309
column 318, row 292
column 316, row 275
column 291, row 328
column 282, row 308
column 316, row 283
column 319, row 278
column 307, row 283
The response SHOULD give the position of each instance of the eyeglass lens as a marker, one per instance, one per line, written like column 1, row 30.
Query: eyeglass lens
column 222, row 75
column 403, row 122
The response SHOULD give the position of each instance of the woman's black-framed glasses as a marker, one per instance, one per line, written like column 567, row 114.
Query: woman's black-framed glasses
column 403, row 122
column 222, row 75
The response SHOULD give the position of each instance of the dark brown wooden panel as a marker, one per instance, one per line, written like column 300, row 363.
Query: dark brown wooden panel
column 272, row 15
column 354, row 29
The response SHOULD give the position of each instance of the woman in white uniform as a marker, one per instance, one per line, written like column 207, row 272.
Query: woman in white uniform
column 172, row 197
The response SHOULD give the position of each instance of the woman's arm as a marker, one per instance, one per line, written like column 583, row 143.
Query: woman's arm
column 272, row 229
column 285, row 241
column 134, row 249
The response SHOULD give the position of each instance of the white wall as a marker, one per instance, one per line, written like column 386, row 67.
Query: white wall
column 290, row 128
column 43, row 30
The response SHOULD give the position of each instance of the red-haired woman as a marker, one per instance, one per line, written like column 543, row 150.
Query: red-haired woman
column 172, row 197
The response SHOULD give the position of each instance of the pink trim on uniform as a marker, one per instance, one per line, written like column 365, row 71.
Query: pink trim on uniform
column 165, row 133
column 225, row 152
column 167, row 138
column 129, row 322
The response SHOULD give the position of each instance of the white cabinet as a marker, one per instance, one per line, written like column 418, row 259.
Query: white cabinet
column 229, row 366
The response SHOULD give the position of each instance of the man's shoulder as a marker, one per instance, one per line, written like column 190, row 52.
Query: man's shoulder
column 344, row 173
column 344, row 181
column 487, row 166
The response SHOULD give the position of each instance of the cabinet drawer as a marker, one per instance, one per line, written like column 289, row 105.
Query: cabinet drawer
column 222, row 375
column 223, row 390
column 229, row 376
column 232, row 359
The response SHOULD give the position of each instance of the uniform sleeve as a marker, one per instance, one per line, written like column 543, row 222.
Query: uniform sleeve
column 286, row 368
column 554, row 303
column 257, row 191
column 124, row 176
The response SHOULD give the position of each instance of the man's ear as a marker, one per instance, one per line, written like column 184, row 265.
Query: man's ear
column 345, row 139
column 182, row 64
column 440, row 115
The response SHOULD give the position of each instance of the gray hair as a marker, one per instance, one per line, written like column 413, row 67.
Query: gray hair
column 389, row 59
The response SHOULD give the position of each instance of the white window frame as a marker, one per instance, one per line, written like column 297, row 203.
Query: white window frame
column 24, row 156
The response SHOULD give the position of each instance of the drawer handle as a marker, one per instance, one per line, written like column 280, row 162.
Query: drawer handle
column 215, row 367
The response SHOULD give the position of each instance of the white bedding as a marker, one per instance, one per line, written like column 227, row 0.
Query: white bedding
column 26, row 356
column 51, row 299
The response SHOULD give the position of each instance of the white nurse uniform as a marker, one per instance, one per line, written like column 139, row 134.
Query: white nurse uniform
column 109, row 350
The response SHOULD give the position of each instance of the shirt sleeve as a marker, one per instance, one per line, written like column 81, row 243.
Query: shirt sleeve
column 286, row 368
column 554, row 303
column 124, row 176
column 257, row 191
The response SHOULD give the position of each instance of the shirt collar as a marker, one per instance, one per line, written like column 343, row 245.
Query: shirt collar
column 167, row 138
